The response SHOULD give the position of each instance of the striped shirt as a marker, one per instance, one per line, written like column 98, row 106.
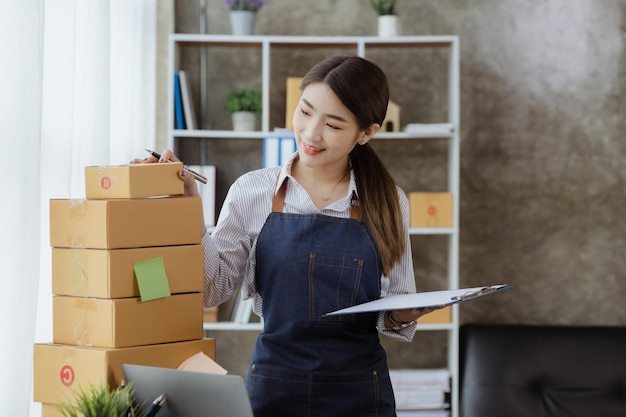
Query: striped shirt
column 230, row 251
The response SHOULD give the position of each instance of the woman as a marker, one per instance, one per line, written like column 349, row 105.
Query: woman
column 326, row 231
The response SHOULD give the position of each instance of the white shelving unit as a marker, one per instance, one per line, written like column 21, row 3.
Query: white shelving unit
column 360, row 46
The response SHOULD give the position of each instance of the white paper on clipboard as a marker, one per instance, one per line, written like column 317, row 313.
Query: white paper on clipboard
column 422, row 299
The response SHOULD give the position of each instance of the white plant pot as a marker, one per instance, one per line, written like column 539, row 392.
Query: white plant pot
column 242, row 22
column 244, row 120
column 388, row 26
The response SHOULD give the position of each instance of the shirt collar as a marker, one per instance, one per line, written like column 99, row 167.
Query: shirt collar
column 285, row 172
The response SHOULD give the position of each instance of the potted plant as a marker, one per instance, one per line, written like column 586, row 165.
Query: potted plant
column 243, row 15
column 98, row 401
column 244, row 106
column 387, row 18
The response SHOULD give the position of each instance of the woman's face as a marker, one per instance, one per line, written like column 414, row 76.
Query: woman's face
column 326, row 131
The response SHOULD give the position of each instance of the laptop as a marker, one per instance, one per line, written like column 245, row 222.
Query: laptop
column 188, row 393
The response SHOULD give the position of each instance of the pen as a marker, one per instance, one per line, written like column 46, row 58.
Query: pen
column 197, row 176
column 155, row 406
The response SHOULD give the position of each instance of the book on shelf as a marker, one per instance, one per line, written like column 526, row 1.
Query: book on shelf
column 421, row 389
column 178, row 104
column 207, row 192
column 434, row 129
column 242, row 309
column 278, row 149
column 423, row 413
column 187, row 100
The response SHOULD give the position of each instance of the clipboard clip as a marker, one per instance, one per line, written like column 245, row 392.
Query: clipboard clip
column 470, row 295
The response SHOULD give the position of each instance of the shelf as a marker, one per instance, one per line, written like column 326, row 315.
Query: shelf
column 229, row 325
column 426, row 131
column 315, row 41
column 448, row 130
column 413, row 231
column 431, row 230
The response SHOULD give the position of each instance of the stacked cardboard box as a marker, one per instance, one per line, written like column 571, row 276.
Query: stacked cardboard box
column 127, row 281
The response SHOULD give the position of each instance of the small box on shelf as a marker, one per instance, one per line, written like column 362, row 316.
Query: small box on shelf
column 443, row 315
column 430, row 209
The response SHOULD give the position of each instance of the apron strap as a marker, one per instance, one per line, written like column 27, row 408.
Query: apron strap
column 278, row 201
column 355, row 209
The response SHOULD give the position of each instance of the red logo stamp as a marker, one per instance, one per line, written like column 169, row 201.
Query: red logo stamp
column 67, row 375
column 432, row 210
column 105, row 183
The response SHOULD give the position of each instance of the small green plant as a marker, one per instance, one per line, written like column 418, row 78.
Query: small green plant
column 384, row 7
column 243, row 100
column 99, row 401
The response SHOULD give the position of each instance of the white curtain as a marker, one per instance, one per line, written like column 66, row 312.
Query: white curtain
column 79, row 90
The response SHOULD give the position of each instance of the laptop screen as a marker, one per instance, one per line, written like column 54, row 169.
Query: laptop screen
column 187, row 393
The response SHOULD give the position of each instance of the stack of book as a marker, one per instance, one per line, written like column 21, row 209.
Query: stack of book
column 127, row 281
column 278, row 148
column 184, row 113
column 421, row 392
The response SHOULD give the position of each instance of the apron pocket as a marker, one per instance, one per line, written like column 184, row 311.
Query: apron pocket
column 334, row 283
column 361, row 394
column 277, row 392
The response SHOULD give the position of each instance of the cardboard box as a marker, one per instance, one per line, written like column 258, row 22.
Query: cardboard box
column 210, row 315
column 60, row 370
column 126, row 223
column 104, row 273
column 51, row 410
column 443, row 315
column 431, row 209
column 126, row 322
column 133, row 181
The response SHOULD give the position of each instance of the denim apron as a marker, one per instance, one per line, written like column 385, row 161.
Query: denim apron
column 305, row 364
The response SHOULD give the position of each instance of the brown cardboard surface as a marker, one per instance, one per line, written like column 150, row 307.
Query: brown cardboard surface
column 127, row 321
column 50, row 410
column 125, row 223
column 443, row 315
column 292, row 99
column 431, row 209
column 210, row 315
column 133, row 181
column 60, row 370
column 109, row 273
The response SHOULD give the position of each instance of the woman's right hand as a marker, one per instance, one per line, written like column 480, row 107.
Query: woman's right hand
column 191, row 188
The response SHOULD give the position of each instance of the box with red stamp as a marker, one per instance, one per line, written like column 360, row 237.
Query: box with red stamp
column 431, row 209
column 61, row 370
column 133, row 181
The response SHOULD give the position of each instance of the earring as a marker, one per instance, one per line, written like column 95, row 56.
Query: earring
column 362, row 142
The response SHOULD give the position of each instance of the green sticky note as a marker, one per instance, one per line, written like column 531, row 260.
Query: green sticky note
column 152, row 279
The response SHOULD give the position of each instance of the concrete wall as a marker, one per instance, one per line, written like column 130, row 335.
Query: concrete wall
column 543, row 155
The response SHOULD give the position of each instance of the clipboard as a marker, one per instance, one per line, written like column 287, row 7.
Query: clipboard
column 422, row 300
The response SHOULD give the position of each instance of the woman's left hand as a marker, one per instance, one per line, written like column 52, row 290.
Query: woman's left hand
column 412, row 314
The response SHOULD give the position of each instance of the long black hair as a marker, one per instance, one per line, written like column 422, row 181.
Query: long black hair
column 363, row 88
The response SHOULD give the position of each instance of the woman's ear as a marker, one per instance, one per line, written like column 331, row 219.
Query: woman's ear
column 366, row 135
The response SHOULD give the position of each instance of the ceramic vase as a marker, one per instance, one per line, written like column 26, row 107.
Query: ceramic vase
column 388, row 26
column 244, row 121
column 242, row 22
